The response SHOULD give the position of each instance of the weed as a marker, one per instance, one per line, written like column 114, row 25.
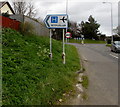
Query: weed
column 84, row 96
column 83, row 69
column 85, row 82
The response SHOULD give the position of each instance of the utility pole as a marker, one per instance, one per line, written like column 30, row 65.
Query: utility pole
column 67, row 18
column 111, row 21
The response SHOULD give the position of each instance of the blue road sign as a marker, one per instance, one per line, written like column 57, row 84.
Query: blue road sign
column 56, row 21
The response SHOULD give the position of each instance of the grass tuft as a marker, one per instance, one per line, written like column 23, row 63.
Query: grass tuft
column 85, row 82
column 84, row 96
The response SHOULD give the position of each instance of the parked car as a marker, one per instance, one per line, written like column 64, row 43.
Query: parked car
column 115, row 46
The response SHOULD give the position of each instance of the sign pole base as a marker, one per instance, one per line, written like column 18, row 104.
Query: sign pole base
column 50, row 56
column 63, row 57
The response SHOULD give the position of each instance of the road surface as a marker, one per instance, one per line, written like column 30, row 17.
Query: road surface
column 102, row 69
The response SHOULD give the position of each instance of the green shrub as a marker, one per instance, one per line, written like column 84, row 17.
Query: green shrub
column 26, row 28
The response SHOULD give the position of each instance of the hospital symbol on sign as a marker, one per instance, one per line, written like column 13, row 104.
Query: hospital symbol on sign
column 54, row 19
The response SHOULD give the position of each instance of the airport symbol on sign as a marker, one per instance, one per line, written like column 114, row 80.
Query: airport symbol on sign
column 56, row 21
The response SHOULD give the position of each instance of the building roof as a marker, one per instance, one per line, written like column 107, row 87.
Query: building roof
column 3, row 3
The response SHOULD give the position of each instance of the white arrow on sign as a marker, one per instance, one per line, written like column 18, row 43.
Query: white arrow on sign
column 56, row 21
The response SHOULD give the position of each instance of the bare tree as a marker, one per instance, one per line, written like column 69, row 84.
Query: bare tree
column 31, row 10
column 20, row 7
column 24, row 8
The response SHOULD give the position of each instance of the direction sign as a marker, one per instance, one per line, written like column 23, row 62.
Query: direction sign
column 56, row 21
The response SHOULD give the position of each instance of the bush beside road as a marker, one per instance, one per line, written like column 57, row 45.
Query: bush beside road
column 29, row 76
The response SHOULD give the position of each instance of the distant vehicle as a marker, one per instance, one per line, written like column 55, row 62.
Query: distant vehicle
column 115, row 46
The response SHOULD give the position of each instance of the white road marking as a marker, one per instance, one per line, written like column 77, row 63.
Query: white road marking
column 114, row 56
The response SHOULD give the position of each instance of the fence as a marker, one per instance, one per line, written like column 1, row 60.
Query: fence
column 39, row 28
column 9, row 23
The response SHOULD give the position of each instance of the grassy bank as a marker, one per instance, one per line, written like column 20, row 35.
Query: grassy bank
column 87, row 41
column 29, row 77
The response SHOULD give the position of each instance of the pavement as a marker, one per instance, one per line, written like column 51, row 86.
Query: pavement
column 102, row 69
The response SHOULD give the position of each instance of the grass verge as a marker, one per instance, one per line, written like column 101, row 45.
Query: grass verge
column 87, row 41
column 29, row 77
column 108, row 45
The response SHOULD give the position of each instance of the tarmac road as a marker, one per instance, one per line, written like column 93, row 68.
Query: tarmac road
column 102, row 69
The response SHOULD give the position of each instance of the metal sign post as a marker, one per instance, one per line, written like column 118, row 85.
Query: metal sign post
column 50, row 54
column 66, row 32
column 63, row 54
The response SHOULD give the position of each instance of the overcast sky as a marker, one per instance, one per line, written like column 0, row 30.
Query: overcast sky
column 80, row 10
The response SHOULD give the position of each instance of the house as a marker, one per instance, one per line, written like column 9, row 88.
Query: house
column 5, row 7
